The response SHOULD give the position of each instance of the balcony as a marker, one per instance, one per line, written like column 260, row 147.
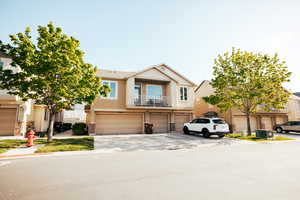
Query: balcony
column 151, row 101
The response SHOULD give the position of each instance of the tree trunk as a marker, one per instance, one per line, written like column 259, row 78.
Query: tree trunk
column 248, row 124
column 51, row 126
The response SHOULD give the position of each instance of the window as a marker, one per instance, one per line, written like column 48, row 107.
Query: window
column 154, row 91
column 1, row 64
column 218, row 121
column 203, row 121
column 295, row 123
column 183, row 93
column 194, row 121
column 113, row 85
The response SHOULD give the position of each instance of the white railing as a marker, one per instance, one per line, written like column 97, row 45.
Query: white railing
column 152, row 101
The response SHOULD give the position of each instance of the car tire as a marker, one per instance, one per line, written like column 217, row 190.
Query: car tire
column 279, row 130
column 221, row 136
column 205, row 133
column 186, row 130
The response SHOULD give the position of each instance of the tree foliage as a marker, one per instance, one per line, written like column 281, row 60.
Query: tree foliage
column 249, row 82
column 50, row 71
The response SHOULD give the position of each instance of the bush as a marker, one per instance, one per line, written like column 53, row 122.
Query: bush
column 79, row 129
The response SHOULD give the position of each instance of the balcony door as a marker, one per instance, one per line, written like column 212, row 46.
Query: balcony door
column 154, row 94
column 137, row 94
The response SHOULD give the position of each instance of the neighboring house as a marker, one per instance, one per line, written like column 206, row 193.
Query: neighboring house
column 237, row 119
column 157, row 95
column 16, row 115
column 75, row 115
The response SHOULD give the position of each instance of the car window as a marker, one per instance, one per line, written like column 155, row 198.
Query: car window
column 194, row 121
column 287, row 123
column 203, row 121
column 295, row 123
column 219, row 121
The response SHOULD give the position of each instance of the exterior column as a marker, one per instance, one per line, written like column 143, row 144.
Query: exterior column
column 172, row 121
column 91, row 121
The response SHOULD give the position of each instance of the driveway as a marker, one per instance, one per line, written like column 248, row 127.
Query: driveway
column 168, row 141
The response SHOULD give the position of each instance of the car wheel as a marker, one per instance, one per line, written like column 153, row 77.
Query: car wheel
column 206, row 133
column 279, row 130
column 186, row 130
column 221, row 136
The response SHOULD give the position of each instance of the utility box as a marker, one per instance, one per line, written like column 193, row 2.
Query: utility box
column 262, row 133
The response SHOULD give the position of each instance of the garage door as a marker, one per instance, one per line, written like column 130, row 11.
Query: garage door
column 160, row 122
column 266, row 123
column 126, row 123
column 7, row 121
column 240, row 123
column 180, row 119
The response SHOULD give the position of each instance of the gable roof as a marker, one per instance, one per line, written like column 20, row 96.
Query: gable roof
column 183, row 77
column 103, row 73
column 156, row 67
column 201, row 85
column 148, row 69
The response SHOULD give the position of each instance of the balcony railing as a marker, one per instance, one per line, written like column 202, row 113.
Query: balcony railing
column 261, row 109
column 151, row 101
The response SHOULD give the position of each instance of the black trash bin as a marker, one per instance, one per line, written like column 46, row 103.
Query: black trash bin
column 262, row 133
column 148, row 128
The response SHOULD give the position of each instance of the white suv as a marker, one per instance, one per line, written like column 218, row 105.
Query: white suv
column 207, row 127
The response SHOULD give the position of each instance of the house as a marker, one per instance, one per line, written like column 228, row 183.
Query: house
column 158, row 95
column 237, row 119
column 75, row 115
column 16, row 115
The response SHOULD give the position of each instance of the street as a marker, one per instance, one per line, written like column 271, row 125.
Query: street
column 227, row 171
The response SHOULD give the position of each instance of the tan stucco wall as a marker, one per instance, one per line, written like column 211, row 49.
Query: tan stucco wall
column 119, row 103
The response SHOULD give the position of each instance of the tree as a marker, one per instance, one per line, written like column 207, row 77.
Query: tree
column 249, row 81
column 51, row 71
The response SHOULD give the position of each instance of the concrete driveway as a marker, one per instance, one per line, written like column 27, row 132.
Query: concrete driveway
column 168, row 141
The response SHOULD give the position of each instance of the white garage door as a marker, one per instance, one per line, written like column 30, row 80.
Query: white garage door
column 180, row 119
column 7, row 121
column 127, row 123
column 160, row 122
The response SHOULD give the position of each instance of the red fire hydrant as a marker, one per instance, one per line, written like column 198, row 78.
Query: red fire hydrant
column 30, row 136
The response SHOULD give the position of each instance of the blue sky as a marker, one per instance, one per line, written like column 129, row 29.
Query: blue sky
column 184, row 34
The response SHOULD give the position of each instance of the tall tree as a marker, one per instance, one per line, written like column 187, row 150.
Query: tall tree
column 249, row 81
column 50, row 71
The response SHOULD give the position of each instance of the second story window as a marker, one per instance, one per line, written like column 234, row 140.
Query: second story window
column 183, row 94
column 113, row 89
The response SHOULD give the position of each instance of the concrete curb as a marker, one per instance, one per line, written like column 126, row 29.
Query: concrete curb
column 4, row 157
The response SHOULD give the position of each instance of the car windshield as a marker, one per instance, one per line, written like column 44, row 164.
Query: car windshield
column 218, row 121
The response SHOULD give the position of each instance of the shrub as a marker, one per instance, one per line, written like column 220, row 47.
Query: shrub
column 79, row 129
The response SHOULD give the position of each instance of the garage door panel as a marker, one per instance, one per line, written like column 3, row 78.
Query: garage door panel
column 240, row 123
column 180, row 120
column 119, row 123
column 266, row 123
column 7, row 121
column 160, row 122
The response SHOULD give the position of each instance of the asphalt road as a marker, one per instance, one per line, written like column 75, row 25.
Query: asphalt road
column 235, row 171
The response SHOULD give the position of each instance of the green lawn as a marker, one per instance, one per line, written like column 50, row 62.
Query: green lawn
column 70, row 144
column 253, row 137
column 5, row 145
